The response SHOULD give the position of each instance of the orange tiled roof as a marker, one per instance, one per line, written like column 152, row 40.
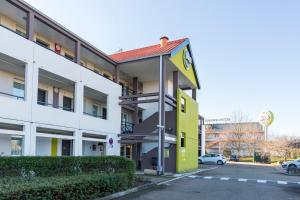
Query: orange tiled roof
column 148, row 51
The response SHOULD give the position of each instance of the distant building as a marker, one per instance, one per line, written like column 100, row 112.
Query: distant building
column 238, row 138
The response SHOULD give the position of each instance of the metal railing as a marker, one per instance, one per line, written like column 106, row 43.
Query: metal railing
column 94, row 115
column 127, row 127
column 13, row 96
column 55, row 106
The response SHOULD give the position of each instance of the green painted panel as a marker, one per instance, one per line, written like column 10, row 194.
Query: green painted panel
column 178, row 60
column 54, row 143
column 187, row 126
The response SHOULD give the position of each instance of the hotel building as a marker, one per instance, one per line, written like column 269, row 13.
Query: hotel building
column 60, row 95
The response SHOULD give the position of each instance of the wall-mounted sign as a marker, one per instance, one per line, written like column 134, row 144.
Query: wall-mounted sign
column 111, row 142
column 215, row 121
column 266, row 118
column 187, row 59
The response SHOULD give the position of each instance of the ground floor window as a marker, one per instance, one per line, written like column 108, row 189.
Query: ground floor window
column 126, row 151
column 16, row 146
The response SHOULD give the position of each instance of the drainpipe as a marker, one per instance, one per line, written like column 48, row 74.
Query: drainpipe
column 161, row 119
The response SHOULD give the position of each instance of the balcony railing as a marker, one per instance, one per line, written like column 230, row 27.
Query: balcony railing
column 95, row 115
column 127, row 127
column 12, row 96
column 70, row 109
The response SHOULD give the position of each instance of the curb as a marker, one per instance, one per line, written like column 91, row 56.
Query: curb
column 129, row 191
column 148, row 186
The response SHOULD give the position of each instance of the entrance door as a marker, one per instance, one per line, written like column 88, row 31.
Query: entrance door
column 66, row 147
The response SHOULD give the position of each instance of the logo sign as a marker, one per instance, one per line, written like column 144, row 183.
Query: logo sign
column 266, row 118
column 187, row 59
column 110, row 141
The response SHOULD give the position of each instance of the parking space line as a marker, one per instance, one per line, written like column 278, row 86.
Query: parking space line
column 282, row 182
column 261, row 181
column 207, row 177
column 193, row 176
column 242, row 180
column 224, row 178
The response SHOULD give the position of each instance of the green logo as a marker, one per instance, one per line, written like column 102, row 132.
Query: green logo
column 187, row 59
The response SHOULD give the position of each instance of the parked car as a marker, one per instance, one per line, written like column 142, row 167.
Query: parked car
column 218, row 159
column 234, row 158
column 292, row 167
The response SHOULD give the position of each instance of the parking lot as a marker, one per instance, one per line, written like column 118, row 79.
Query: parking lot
column 231, row 181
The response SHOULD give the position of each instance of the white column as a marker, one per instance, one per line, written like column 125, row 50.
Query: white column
column 78, row 143
column 79, row 95
column 27, row 139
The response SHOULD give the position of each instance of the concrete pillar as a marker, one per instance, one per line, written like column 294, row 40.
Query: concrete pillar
column 30, row 26
column 136, row 108
column 175, row 83
column 116, row 74
column 78, row 143
column 77, row 51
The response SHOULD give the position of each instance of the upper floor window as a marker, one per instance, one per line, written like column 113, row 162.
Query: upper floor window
column 183, row 104
column 19, row 89
column 68, row 56
column 42, row 43
column 42, row 97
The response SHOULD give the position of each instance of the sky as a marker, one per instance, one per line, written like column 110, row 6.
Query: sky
column 247, row 53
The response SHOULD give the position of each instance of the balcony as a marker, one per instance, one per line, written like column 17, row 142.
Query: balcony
column 55, row 91
column 95, row 103
column 126, row 127
column 13, row 18
column 12, row 78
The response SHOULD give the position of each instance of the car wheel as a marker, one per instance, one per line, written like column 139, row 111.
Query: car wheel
column 200, row 161
column 292, row 169
column 220, row 162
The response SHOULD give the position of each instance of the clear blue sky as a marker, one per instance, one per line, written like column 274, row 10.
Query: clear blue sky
column 247, row 52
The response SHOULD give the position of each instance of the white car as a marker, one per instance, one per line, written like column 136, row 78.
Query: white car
column 218, row 159
column 292, row 166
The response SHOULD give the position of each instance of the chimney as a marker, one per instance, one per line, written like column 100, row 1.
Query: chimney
column 164, row 41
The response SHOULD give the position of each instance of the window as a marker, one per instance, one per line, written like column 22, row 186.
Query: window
column 67, row 103
column 68, row 56
column 95, row 111
column 82, row 63
column 16, row 146
column 42, row 43
column 124, row 117
column 106, row 76
column 182, row 140
column 104, row 113
column 18, row 31
column 183, row 104
column 19, row 89
column 42, row 97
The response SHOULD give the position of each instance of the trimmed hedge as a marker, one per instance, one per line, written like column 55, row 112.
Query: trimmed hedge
column 74, row 187
column 27, row 167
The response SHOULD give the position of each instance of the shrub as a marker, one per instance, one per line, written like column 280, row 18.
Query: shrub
column 81, row 186
column 64, row 166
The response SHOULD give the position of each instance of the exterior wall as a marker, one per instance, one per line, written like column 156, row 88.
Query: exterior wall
column 32, row 115
column 178, row 61
column 187, row 123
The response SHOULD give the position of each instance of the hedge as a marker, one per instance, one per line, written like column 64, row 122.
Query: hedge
column 74, row 187
column 64, row 166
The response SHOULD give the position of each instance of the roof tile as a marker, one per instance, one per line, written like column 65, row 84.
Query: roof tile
column 148, row 51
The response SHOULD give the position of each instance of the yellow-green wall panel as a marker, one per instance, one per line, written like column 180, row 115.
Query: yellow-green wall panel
column 54, row 143
column 178, row 61
column 187, row 122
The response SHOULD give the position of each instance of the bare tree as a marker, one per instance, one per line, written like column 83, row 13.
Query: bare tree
column 283, row 146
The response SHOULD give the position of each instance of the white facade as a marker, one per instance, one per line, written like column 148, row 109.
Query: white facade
column 33, row 117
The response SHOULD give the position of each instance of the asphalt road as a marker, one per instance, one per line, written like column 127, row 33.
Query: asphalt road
column 229, row 182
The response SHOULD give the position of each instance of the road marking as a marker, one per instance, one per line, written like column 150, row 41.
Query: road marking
column 224, row 178
column 282, row 182
column 207, row 177
column 242, row 180
column 185, row 175
column 192, row 176
column 261, row 181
